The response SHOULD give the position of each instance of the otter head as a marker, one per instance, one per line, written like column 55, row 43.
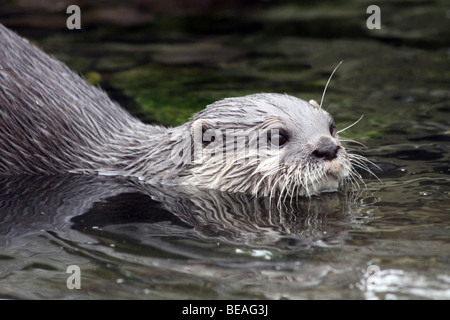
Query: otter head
column 267, row 144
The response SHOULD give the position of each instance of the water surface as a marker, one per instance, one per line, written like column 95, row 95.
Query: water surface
column 152, row 242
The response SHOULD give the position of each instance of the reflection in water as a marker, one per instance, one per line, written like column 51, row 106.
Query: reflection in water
column 88, row 204
column 114, row 228
column 165, row 241
column 31, row 204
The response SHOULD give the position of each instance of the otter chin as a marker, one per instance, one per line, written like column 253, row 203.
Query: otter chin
column 53, row 122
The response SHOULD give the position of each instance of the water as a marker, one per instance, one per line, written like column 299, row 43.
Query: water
column 150, row 242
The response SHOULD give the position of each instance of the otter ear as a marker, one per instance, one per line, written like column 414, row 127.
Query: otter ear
column 314, row 103
column 199, row 126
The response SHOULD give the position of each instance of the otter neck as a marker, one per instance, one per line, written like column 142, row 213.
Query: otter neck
column 144, row 153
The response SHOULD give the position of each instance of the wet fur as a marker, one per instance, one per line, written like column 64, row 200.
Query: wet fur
column 53, row 122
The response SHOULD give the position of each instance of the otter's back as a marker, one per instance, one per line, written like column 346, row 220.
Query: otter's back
column 52, row 120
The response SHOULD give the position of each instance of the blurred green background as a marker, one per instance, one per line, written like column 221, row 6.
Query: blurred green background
column 165, row 60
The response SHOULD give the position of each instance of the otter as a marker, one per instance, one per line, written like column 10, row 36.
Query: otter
column 53, row 122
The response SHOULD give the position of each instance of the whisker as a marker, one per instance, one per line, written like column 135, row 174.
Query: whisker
column 326, row 85
column 363, row 166
column 353, row 141
column 287, row 189
column 269, row 173
column 282, row 191
column 306, row 180
column 348, row 127
column 355, row 175
column 275, row 184
column 354, row 181
column 293, row 190
column 366, row 160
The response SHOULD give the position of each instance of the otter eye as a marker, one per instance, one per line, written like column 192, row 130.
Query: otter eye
column 332, row 129
column 277, row 137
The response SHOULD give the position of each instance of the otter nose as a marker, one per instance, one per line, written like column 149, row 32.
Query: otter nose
column 326, row 150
